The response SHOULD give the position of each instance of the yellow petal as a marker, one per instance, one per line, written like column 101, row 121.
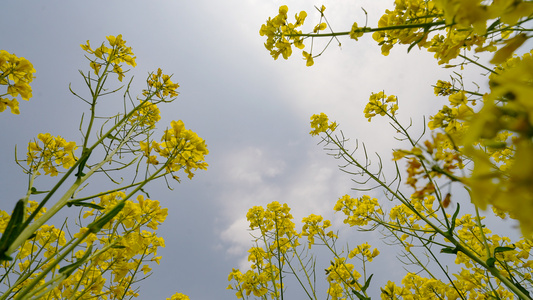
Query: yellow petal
column 507, row 51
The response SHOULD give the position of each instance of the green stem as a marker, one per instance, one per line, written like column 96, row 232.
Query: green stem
column 111, row 191
column 305, row 272
column 95, row 94
column 280, row 267
column 368, row 29
column 477, row 64
column 403, row 243
column 484, row 238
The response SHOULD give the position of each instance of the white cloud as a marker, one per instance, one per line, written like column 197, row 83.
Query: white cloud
column 250, row 166
column 238, row 236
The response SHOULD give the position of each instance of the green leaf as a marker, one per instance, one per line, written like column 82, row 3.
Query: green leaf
column 452, row 228
column 449, row 250
column 110, row 136
column 97, row 225
column 359, row 295
column 145, row 192
column 493, row 25
column 426, row 29
column 495, row 145
column 84, row 157
column 34, row 191
column 503, row 249
column 367, row 283
column 363, row 289
column 414, row 44
column 84, row 204
column 490, row 262
column 13, row 229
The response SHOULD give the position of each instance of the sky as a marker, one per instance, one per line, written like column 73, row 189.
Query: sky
column 252, row 111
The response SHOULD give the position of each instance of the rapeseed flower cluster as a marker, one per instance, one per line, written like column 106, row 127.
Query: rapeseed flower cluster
column 147, row 115
column 450, row 119
column 112, row 56
column 315, row 225
column 48, row 152
column 178, row 296
column 183, row 150
column 279, row 237
column 412, row 22
column 320, row 123
column 381, row 104
column 161, row 85
column 276, row 217
column 435, row 158
column 364, row 252
column 16, row 73
column 180, row 148
column 280, row 33
column 443, row 88
column 359, row 211
column 342, row 278
column 405, row 24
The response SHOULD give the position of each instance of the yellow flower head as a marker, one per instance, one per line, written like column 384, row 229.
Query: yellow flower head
column 320, row 123
column 161, row 86
column 380, row 104
column 114, row 56
column 49, row 152
column 16, row 73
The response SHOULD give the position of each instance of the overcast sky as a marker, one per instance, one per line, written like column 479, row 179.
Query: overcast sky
column 252, row 111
